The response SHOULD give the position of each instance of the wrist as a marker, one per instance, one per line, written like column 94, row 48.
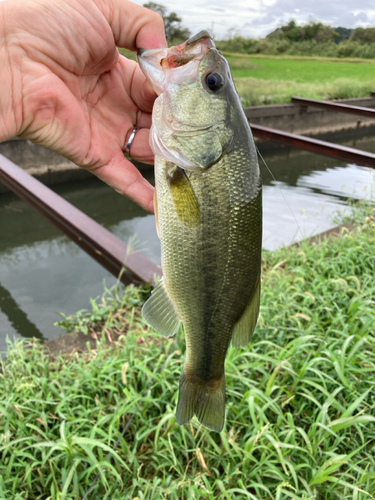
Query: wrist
column 7, row 89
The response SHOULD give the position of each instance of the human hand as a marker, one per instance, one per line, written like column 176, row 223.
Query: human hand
column 68, row 89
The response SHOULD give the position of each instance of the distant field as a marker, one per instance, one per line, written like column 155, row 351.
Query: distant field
column 301, row 71
column 275, row 80
column 271, row 80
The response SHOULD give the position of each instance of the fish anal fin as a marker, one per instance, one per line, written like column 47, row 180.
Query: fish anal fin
column 245, row 326
column 204, row 399
column 184, row 199
column 160, row 313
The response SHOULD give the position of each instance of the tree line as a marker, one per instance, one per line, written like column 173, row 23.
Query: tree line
column 313, row 38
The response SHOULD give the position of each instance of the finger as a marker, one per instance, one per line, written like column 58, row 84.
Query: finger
column 137, row 86
column 144, row 120
column 140, row 147
column 133, row 26
column 126, row 179
column 141, row 91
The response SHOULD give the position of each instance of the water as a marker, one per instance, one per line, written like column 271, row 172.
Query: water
column 42, row 272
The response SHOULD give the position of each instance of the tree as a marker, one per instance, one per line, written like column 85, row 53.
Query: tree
column 342, row 33
column 289, row 31
column 174, row 31
column 313, row 30
column 363, row 35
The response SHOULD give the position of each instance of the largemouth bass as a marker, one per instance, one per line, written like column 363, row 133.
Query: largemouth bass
column 208, row 207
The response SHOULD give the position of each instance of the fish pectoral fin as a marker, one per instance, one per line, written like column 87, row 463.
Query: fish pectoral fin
column 183, row 196
column 205, row 400
column 160, row 313
column 245, row 326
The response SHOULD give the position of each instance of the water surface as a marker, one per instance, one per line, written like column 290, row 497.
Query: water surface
column 42, row 272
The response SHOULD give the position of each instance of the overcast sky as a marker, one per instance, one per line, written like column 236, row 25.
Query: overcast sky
column 257, row 18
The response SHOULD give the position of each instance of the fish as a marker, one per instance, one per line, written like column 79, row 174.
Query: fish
column 208, row 208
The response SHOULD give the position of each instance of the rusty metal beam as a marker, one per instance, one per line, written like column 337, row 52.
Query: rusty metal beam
column 334, row 106
column 343, row 153
column 106, row 248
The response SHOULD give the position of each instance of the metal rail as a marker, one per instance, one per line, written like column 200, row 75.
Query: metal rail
column 314, row 145
column 106, row 248
column 334, row 106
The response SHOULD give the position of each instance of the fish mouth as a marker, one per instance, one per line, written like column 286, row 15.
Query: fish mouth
column 182, row 54
column 156, row 64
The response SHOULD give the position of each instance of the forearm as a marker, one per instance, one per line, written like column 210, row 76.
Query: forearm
column 8, row 127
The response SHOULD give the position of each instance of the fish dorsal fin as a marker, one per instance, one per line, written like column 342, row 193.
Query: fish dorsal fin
column 184, row 199
column 159, row 311
column 245, row 326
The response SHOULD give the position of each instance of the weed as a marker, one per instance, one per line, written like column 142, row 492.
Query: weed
column 300, row 398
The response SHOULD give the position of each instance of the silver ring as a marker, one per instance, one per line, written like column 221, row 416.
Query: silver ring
column 130, row 140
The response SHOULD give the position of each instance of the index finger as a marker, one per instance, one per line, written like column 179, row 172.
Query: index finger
column 126, row 179
column 133, row 26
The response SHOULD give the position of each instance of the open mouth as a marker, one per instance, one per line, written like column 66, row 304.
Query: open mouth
column 175, row 57
column 185, row 52
column 157, row 64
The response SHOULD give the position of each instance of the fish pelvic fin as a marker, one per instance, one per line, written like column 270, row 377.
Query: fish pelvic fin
column 204, row 399
column 245, row 326
column 160, row 313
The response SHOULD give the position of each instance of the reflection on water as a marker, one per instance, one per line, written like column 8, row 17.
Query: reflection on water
column 338, row 181
column 292, row 213
column 42, row 272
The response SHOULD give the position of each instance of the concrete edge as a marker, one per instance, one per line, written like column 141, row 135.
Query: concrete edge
column 334, row 232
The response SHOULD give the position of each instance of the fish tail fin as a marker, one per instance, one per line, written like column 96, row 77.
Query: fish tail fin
column 204, row 399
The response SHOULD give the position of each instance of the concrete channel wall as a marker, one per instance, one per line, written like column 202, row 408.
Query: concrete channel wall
column 51, row 168
column 312, row 121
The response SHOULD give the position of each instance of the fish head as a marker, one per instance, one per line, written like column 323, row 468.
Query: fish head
column 192, row 119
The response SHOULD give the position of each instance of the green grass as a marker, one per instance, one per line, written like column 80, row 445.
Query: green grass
column 255, row 92
column 264, row 79
column 289, row 57
column 274, row 80
column 300, row 399
column 301, row 71
column 128, row 53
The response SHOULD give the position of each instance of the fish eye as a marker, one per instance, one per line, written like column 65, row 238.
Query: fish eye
column 214, row 81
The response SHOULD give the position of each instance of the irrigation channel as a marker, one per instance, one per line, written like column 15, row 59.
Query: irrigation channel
column 43, row 272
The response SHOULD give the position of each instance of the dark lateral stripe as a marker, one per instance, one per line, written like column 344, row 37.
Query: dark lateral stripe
column 106, row 248
column 334, row 106
column 343, row 153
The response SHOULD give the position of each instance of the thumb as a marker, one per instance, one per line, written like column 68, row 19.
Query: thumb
column 133, row 26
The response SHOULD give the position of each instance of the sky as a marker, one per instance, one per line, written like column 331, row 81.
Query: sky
column 257, row 18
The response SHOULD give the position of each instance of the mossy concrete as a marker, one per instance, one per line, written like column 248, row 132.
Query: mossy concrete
column 313, row 121
column 68, row 343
